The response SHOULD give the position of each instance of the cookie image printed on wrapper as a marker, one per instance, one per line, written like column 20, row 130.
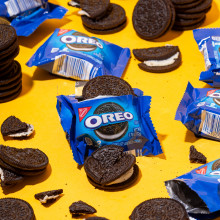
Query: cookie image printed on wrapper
column 216, row 97
column 80, row 42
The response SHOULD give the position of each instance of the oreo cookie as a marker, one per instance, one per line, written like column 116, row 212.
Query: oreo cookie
column 11, row 208
column 94, row 8
column 106, row 86
column 113, row 21
column 158, row 59
column 48, row 196
column 4, row 20
column 109, row 168
column 81, row 208
column 159, row 208
column 153, row 18
column 15, row 128
column 204, row 5
column 187, row 6
column 195, row 156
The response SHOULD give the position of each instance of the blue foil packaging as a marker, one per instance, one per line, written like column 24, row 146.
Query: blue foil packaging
column 27, row 15
column 199, row 111
column 75, row 55
column 198, row 190
column 208, row 41
column 85, row 124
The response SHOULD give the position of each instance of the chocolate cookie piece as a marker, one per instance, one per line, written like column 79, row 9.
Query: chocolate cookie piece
column 81, row 208
column 14, row 127
column 106, row 85
column 163, row 208
column 7, row 36
column 196, row 156
column 206, row 4
column 109, row 168
column 152, row 18
column 111, row 132
column 155, row 53
column 24, row 159
column 96, row 218
column 8, row 178
column 48, row 196
column 159, row 59
column 115, row 17
column 11, row 208
column 94, row 8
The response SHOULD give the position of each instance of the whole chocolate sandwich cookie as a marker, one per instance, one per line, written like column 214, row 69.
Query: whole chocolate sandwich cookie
column 8, row 178
column 153, row 18
column 25, row 161
column 15, row 128
column 158, row 59
column 113, row 21
column 48, row 196
column 11, row 208
column 94, row 9
column 159, row 208
column 81, row 208
column 109, row 168
column 196, row 156
column 106, row 86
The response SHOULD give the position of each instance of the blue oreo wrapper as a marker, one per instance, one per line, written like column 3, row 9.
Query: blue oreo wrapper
column 72, row 54
column 199, row 111
column 208, row 41
column 27, row 15
column 83, row 124
column 198, row 190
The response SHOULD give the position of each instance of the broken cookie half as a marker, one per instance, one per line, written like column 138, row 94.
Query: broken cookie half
column 15, row 128
column 159, row 59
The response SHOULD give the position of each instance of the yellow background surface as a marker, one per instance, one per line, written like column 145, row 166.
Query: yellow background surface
column 37, row 105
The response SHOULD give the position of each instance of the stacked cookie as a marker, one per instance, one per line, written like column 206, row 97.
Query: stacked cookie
column 190, row 14
column 10, row 70
column 101, row 16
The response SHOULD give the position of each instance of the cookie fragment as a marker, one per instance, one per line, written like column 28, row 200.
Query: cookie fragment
column 11, row 208
column 159, row 59
column 81, row 208
column 159, row 208
column 106, row 85
column 14, row 127
column 48, row 196
column 109, row 168
column 196, row 156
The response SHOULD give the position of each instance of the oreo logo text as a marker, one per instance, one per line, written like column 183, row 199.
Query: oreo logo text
column 96, row 121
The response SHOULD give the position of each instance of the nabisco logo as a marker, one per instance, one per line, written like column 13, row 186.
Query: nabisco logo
column 202, row 170
column 210, row 92
column 62, row 31
column 82, row 112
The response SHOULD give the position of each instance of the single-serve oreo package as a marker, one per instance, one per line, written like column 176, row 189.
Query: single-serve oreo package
column 208, row 41
column 198, row 190
column 27, row 15
column 105, row 120
column 75, row 55
column 199, row 111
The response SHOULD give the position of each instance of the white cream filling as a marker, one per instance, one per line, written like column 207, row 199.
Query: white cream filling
column 82, row 12
column 124, row 177
column 72, row 3
column 166, row 62
column 110, row 137
column 2, row 174
column 24, row 134
column 44, row 200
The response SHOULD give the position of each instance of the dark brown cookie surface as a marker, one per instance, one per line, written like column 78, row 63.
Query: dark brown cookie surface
column 106, row 85
column 11, row 207
column 108, row 163
column 25, row 158
column 159, row 208
column 48, row 196
column 80, row 208
column 155, row 53
column 199, row 8
column 190, row 16
column 11, row 96
column 95, row 8
column 180, row 2
column 187, row 6
column 151, row 19
column 196, row 156
column 115, row 16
